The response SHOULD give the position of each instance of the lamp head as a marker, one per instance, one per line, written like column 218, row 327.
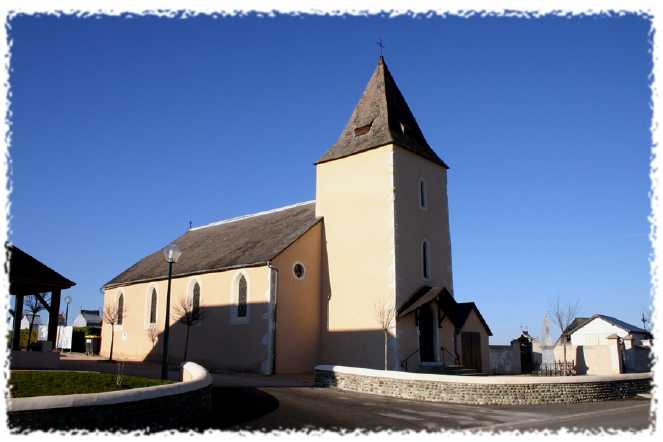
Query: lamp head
column 171, row 253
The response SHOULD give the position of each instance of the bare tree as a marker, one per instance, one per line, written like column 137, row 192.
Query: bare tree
column 189, row 315
column 563, row 317
column 33, row 306
column 153, row 334
column 385, row 314
column 112, row 316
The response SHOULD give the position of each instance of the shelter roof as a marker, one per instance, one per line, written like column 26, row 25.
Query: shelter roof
column 28, row 275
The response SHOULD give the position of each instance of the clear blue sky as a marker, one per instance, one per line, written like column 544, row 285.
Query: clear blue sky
column 126, row 129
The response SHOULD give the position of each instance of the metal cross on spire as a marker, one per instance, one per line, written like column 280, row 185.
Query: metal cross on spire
column 380, row 46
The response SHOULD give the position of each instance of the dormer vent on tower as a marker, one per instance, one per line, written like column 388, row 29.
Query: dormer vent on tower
column 381, row 117
column 363, row 130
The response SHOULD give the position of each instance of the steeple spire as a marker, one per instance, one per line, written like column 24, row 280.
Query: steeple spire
column 381, row 117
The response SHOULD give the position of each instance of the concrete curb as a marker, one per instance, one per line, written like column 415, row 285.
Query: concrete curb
column 194, row 377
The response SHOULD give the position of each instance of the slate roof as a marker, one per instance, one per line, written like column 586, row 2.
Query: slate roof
column 28, row 275
column 576, row 324
column 623, row 325
column 238, row 242
column 457, row 312
column 381, row 117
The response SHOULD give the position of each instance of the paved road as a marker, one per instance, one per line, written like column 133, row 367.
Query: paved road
column 289, row 402
column 264, row 409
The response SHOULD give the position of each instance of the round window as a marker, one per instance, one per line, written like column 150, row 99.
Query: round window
column 298, row 270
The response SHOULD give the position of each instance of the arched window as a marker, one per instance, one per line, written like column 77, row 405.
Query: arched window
column 423, row 197
column 195, row 301
column 241, row 297
column 120, row 309
column 425, row 259
column 153, row 307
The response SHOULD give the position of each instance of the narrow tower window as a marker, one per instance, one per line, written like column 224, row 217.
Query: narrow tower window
column 153, row 307
column 120, row 309
column 425, row 259
column 423, row 196
column 241, row 298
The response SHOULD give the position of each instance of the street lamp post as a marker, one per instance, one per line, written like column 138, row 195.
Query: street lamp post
column 171, row 253
column 67, row 300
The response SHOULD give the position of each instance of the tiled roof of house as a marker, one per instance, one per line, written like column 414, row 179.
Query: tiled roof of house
column 238, row 242
column 381, row 117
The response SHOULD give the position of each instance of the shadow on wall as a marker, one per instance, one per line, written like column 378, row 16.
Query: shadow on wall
column 637, row 359
column 221, row 344
column 581, row 363
column 216, row 341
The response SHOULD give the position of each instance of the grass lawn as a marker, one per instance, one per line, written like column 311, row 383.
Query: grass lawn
column 26, row 383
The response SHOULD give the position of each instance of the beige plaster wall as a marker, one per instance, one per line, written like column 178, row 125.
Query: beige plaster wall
column 446, row 340
column 355, row 195
column 414, row 224
column 596, row 360
column 219, row 342
column 408, row 341
column 298, row 305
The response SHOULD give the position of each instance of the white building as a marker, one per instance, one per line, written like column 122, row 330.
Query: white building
column 595, row 331
column 88, row 318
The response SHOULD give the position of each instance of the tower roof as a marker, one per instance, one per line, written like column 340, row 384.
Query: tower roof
column 381, row 117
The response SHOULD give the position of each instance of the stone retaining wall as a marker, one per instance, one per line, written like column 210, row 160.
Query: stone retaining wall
column 170, row 406
column 495, row 390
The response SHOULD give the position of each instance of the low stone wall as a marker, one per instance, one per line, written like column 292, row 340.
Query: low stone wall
column 495, row 390
column 34, row 360
column 177, row 405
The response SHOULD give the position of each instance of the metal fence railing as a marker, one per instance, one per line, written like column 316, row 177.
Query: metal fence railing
column 555, row 368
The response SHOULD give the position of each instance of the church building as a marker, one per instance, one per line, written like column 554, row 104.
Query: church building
column 361, row 276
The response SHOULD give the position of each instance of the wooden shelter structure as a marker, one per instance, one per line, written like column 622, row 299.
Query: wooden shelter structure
column 29, row 276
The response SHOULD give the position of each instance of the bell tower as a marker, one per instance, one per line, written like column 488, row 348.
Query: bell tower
column 381, row 190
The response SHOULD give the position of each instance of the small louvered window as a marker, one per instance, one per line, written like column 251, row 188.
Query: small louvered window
column 363, row 130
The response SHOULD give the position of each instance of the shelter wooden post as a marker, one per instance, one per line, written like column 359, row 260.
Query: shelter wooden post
column 54, row 317
column 18, row 316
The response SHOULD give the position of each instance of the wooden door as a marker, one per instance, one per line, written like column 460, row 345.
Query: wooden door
column 471, row 348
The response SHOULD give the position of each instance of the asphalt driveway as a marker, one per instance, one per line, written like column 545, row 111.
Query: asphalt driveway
column 305, row 408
